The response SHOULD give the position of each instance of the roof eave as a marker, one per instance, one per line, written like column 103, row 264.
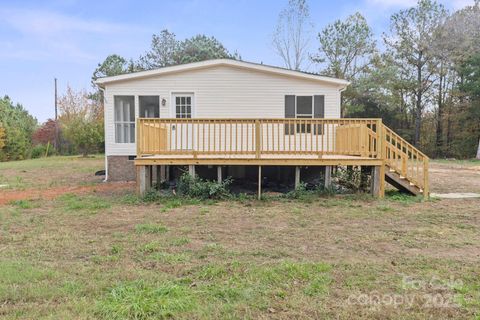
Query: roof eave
column 205, row 64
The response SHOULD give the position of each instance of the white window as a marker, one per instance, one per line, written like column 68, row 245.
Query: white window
column 183, row 106
column 124, row 119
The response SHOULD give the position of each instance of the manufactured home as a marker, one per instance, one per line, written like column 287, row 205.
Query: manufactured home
column 235, row 118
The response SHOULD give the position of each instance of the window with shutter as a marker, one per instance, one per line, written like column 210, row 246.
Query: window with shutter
column 306, row 107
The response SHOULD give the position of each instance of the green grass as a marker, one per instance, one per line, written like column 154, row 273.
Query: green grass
column 50, row 172
column 150, row 228
column 25, row 204
column 117, row 256
column 144, row 300
column 91, row 204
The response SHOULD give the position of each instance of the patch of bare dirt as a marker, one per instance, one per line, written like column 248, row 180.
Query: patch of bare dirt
column 451, row 177
column 51, row 193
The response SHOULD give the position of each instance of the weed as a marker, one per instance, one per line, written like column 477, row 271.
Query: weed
column 179, row 241
column 116, row 249
column 196, row 187
column 150, row 228
column 87, row 203
column 130, row 199
column 143, row 300
column 169, row 258
column 393, row 195
column 24, row 204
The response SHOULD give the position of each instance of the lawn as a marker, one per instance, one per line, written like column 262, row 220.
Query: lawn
column 111, row 255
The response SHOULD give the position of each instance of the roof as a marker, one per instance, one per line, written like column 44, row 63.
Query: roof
column 221, row 62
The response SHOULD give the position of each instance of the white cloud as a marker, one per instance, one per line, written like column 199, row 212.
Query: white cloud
column 40, row 34
column 47, row 23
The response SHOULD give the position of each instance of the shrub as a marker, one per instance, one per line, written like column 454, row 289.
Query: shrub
column 352, row 179
column 196, row 187
column 40, row 150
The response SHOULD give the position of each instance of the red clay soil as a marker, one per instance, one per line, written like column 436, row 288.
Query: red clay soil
column 7, row 196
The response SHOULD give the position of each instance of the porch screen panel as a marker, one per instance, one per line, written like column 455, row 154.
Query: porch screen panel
column 124, row 119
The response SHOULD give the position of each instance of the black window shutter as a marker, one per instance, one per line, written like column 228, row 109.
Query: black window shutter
column 290, row 106
column 318, row 111
column 289, row 112
column 319, row 107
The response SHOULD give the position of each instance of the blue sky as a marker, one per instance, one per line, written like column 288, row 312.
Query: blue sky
column 40, row 40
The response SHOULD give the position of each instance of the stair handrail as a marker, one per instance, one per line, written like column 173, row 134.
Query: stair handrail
column 404, row 157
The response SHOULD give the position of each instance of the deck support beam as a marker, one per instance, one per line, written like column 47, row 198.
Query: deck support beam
column 259, row 182
column 219, row 174
column 160, row 175
column 328, row 177
column 297, row 177
column 191, row 170
column 144, row 179
column 378, row 181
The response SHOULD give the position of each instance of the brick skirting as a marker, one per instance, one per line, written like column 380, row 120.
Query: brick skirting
column 120, row 168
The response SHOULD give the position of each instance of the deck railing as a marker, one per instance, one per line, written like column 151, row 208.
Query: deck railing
column 258, row 137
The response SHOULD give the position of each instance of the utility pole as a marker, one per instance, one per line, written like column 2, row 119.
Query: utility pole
column 56, row 116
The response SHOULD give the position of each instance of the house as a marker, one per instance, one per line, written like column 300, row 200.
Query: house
column 242, row 115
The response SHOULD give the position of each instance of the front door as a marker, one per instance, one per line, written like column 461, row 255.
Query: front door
column 184, row 132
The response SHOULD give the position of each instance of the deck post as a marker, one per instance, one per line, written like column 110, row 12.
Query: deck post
column 167, row 173
column 191, row 170
column 426, row 181
column 144, row 174
column 219, row 174
column 378, row 181
column 259, row 182
column 160, row 174
column 328, row 177
column 297, row 177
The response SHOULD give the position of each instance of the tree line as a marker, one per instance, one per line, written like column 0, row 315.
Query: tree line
column 421, row 76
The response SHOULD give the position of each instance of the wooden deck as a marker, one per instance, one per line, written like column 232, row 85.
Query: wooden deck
column 282, row 142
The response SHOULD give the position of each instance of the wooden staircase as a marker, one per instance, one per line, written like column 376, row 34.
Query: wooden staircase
column 406, row 167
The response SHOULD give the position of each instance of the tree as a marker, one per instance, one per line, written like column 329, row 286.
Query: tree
column 113, row 65
column 291, row 36
column 164, row 47
column 18, row 126
column 410, row 43
column 470, row 123
column 166, row 50
column 2, row 137
column 45, row 133
column 346, row 47
column 200, row 48
column 80, row 121
column 346, row 50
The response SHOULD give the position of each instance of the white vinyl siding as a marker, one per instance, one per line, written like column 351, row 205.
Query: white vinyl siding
column 219, row 92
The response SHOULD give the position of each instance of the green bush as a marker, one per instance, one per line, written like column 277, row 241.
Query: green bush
column 196, row 187
column 40, row 150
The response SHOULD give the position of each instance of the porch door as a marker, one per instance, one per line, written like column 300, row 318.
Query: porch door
column 184, row 133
